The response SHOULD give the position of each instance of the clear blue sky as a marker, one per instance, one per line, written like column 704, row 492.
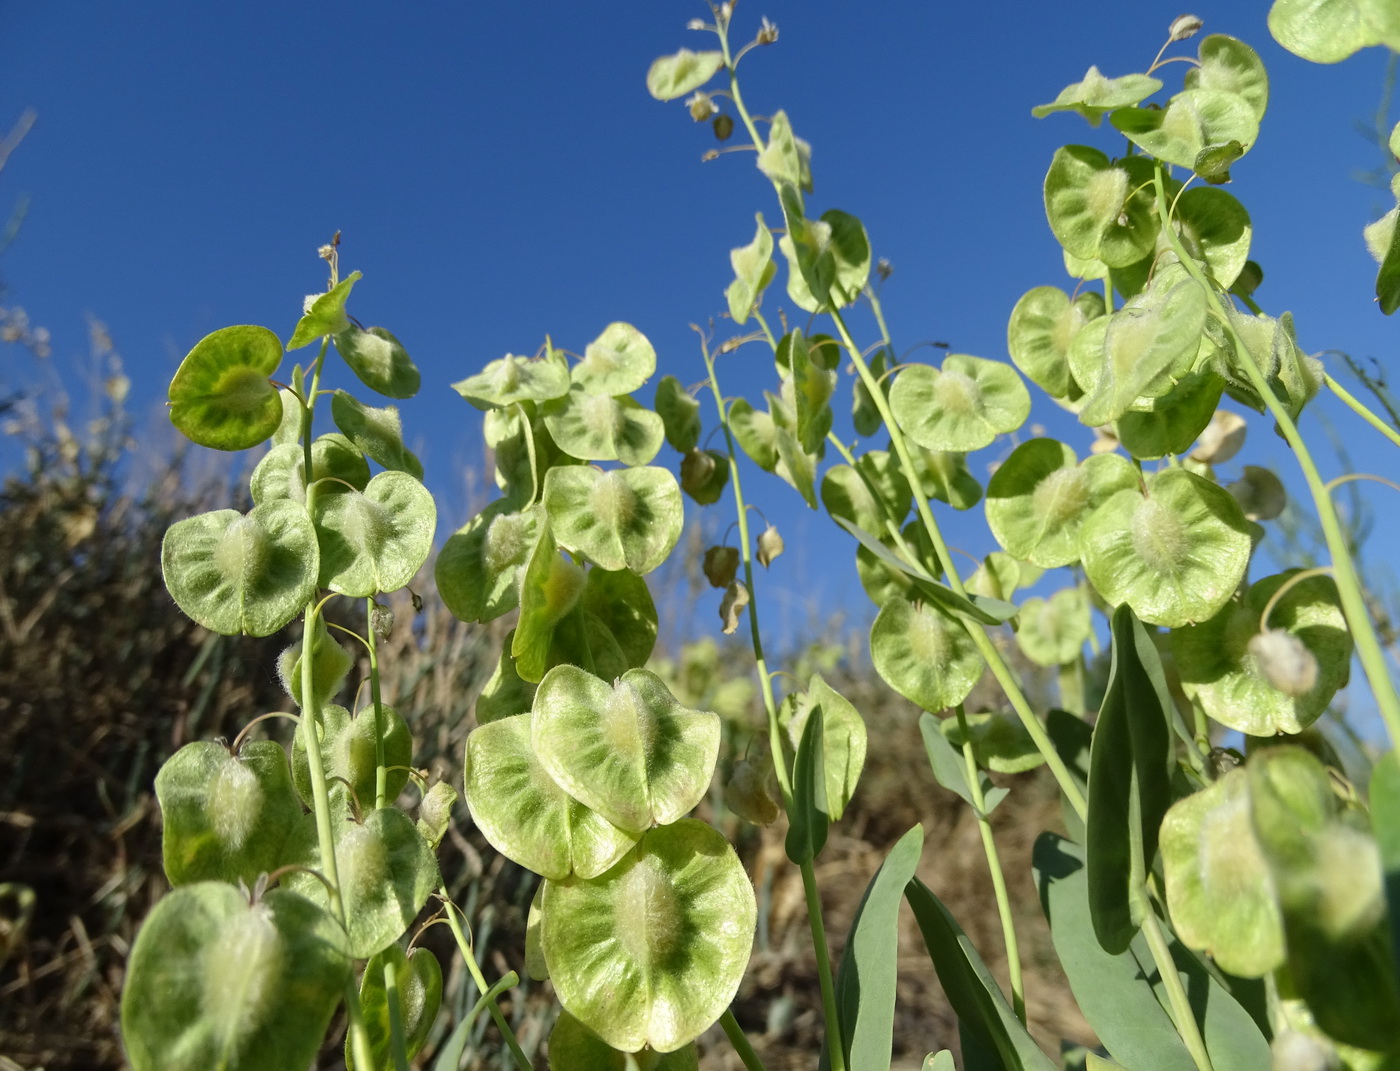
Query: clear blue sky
column 499, row 172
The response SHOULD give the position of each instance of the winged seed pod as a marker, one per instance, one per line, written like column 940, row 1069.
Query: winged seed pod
column 721, row 564
column 770, row 545
column 736, row 597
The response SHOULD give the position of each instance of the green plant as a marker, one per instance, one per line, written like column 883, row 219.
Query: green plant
column 1211, row 909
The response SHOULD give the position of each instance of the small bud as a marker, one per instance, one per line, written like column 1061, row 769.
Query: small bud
column 736, row 597
column 307, row 302
column 723, row 126
column 700, row 105
column 695, row 24
column 726, row 10
column 770, row 545
column 435, row 812
column 1284, row 662
column 767, row 32
column 721, row 565
column 325, row 252
column 708, row 155
column 417, row 601
column 748, row 794
column 1183, row 26
column 884, row 269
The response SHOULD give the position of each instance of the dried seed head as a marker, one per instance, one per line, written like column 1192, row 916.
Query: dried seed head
column 1284, row 662
column 736, row 597
column 721, row 565
column 1260, row 493
column 767, row 32
column 382, row 620
column 1184, row 26
column 1222, row 439
column 884, row 269
column 695, row 24
column 770, row 545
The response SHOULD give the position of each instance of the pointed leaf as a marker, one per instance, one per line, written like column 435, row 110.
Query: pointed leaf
column 380, row 361
column 674, row 76
column 377, row 432
column 1096, row 95
column 325, row 314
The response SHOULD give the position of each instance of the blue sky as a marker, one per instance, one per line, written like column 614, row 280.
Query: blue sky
column 499, row 173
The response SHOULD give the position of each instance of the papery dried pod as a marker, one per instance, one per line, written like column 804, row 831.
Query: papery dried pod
column 749, row 794
column 1284, row 661
column 1260, row 493
column 1222, row 439
column 1184, row 26
column 721, row 565
column 770, row 545
column 736, row 597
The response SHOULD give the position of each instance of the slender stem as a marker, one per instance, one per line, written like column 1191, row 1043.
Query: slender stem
column 465, row 947
column 835, row 1044
column 735, row 1033
column 359, row 1035
column 989, row 848
column 397, row 1046
column 775, row 736
column 988, row 650
column 381, row 772
column 1368, row 646
column 1181, row 1014
column 1360, row 409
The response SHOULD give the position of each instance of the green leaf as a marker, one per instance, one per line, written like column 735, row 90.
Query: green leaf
column 622, row 602
column 222, row 396
column 214, row 982
column 478, row 569
column 843, row 739
column 375, row 541
column 348, row 752
column 810, row 388
column 942, row 1060
column 1218, row 669
column 808, row 814
column 526, row 815
column 1194, row 120
column 781, row 160
column 224, row 817
column 653, row 951
column 680, row 414
column 1328, row 31
column 418, row 981
column 944, row 475
column 330, row 664
column 1100, row 209
column 282, row 471
column 1122, row 995
column 1073, row 739
column 865, row 983
column 755, row 433
column 1230, row 64
column 999, row 741
column 597, row 427
column 325, row 314
column 964, row 406
column 1129, row 782
column 1043, row 324
column 997, row 577
column 1053, row 631
column 622, row 519
column 1176, row 419
column 504, row 692
column 950, row 767
column 846, row 497
column 674, row 76
column 1039, row 499
column 376, row 432
column 1175, row 554
column 883, row 475
column 705, row 475
column 550, row 588
column 379, row 360
column 1385, row 818
column 981, row 1008
column 387, row 872
column 753, row 271
column 1219, row 889
column 511, row 379
column 1328, row 873
column 618, row 361
column 1215, row 228
column 573, row 1047
column 1096, row 95
column 924, row 654
column 1148, row 344
column 250, row 573
column 627, row 750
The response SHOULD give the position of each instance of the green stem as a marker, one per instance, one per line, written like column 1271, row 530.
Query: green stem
column 989, row 848
column 381, row 772
column 990, row 654
column 775, row 738
column 397, row 1046
column 735, row 1033
column 1359, row 408
column 1353, row 599
column 359, row 1036
column 1182, row 1016
column 465, row 947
